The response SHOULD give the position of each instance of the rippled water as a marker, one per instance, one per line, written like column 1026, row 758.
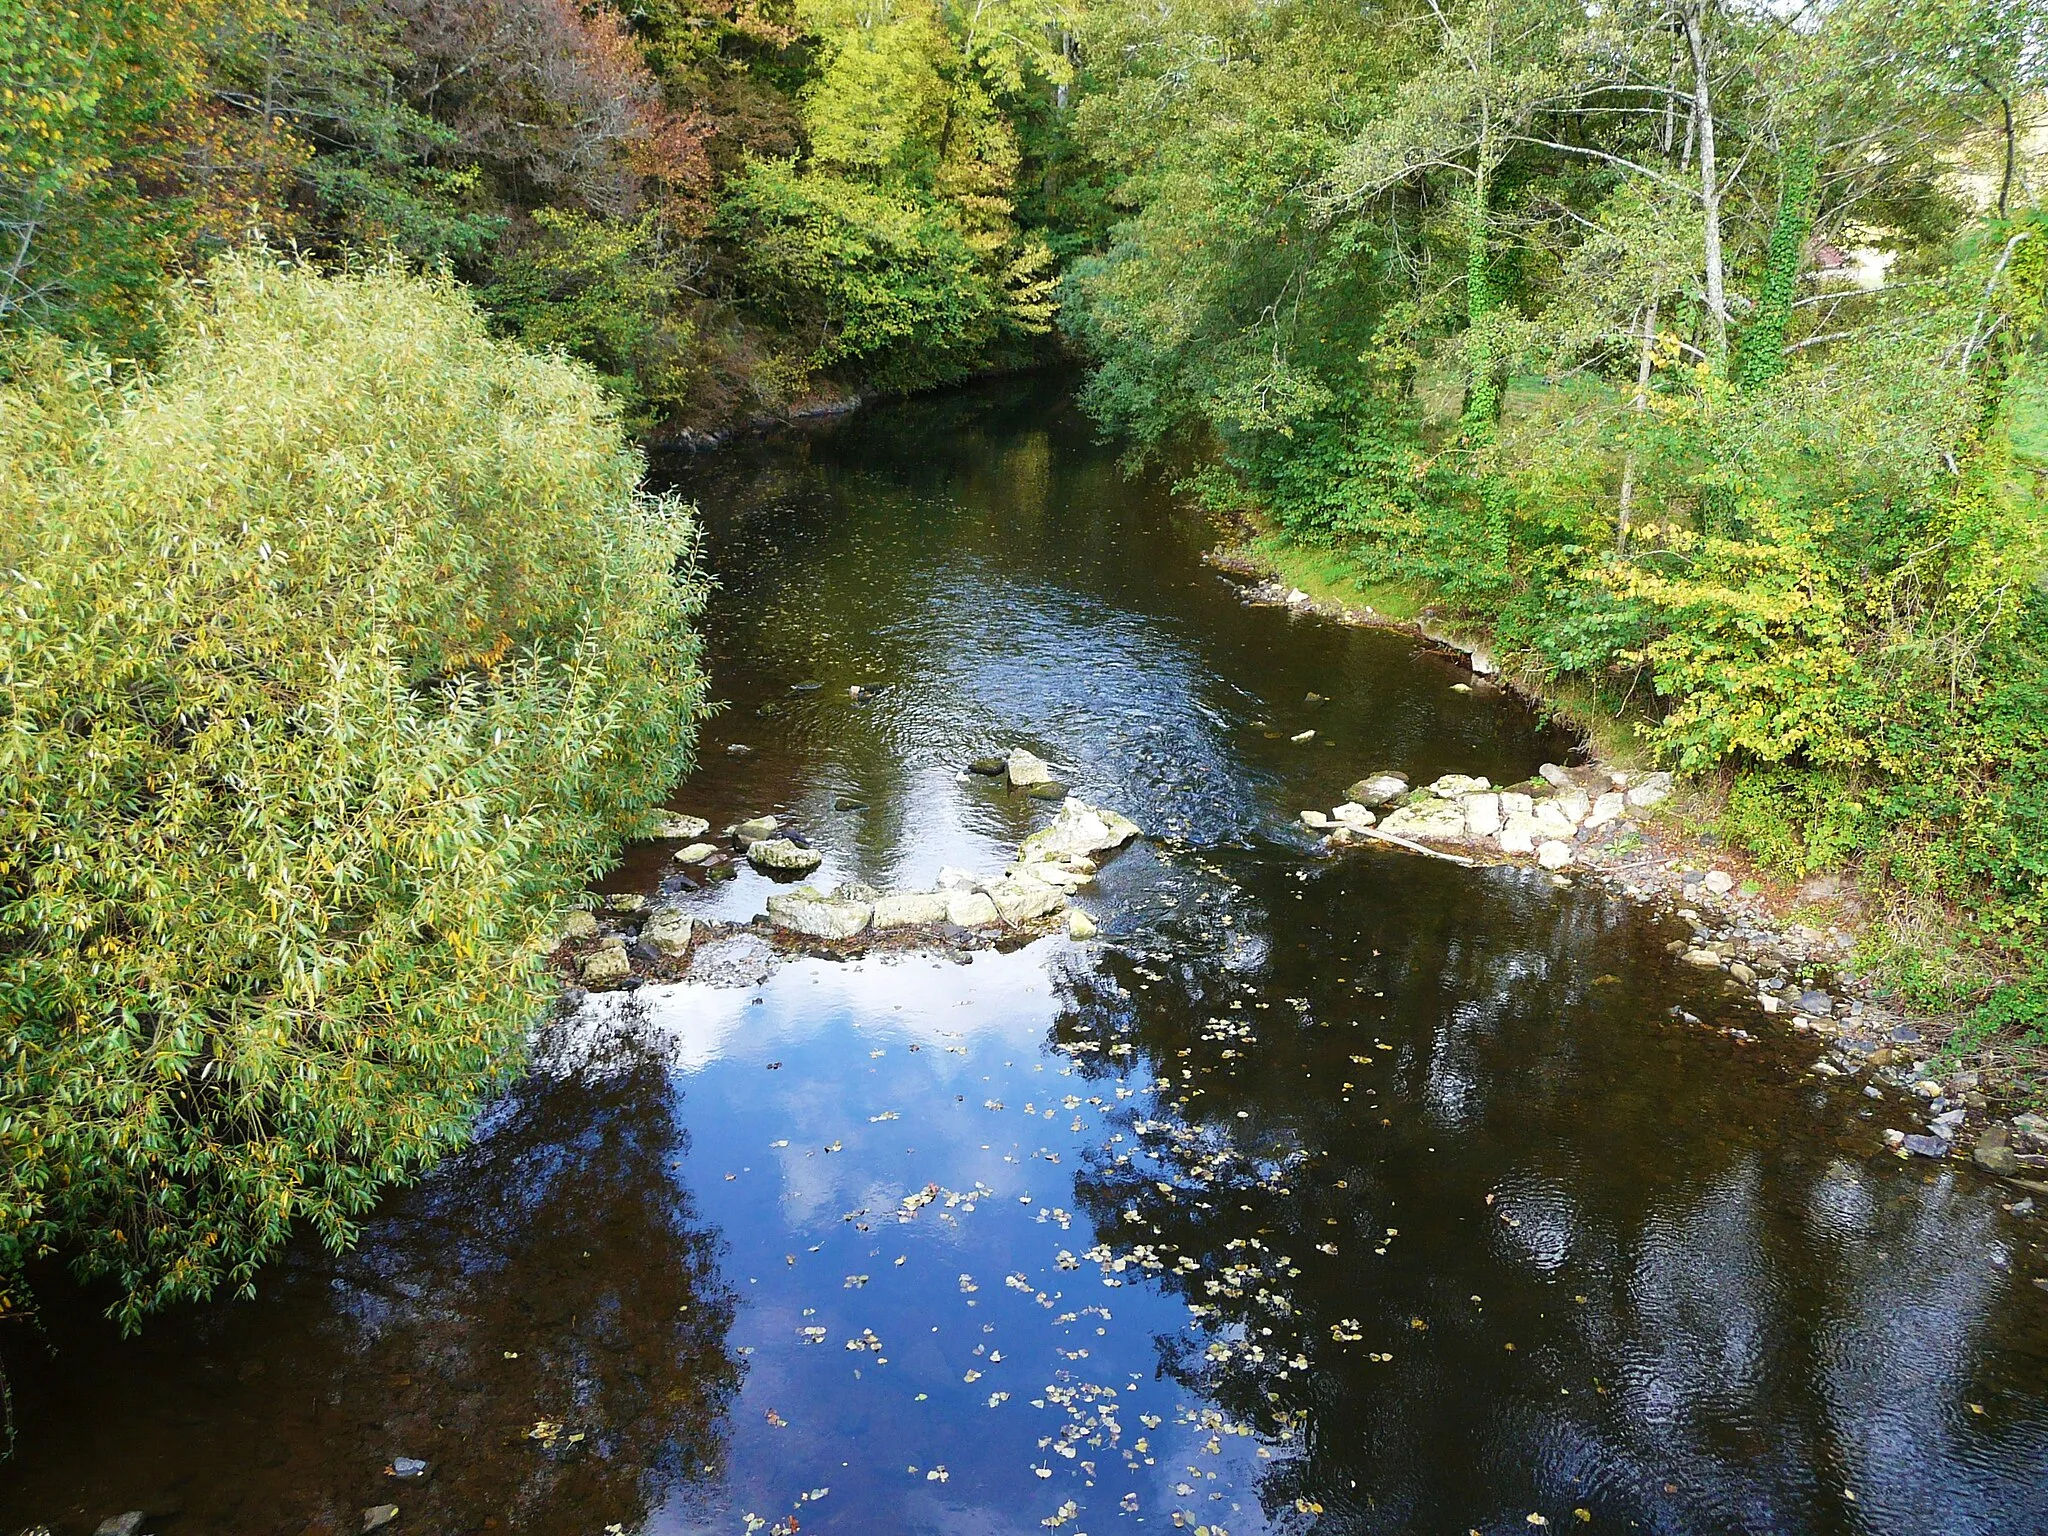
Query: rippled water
column 1338, row 1194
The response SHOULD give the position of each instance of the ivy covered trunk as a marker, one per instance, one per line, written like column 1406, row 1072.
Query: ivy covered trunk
column 1482, row 303
column 1762, row 355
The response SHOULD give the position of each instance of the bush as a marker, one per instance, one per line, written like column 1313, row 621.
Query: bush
column 336, row 654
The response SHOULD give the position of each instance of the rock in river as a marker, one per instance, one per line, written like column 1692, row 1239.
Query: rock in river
column 1020, row 897
column 910, row 909
column 1080, row 829
column 682, row 829
column 780, row 853
column 1027, row 768
column 810, row 911
column 667, row 932
column 1379, row 790
column 747, row 833
column 697, row 853
column 606, row 963
column 970, row 909
column 1436, row 820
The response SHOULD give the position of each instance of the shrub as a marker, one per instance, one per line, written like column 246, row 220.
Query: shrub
column 335, row 654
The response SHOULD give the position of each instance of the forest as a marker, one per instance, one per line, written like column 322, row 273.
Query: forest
column 1691, row 351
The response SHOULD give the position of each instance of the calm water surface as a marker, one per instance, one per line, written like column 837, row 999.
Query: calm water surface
column 1354, row 1194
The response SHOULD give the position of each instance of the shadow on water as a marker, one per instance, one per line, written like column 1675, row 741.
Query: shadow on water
column 542, row 1321
column 1345, row 1194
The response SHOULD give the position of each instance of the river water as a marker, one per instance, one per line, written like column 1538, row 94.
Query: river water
column 1350, row 1193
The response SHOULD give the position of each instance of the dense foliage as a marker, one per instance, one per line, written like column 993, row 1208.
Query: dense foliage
column 719, row 204
column 338, row 652
column 1694, row 348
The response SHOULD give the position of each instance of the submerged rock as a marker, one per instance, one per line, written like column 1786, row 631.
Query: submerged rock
column 780, row 853
column 810, row 911
column 1027, row 768
column 667, row 932
column 377, row 1516
column 1051, row 789
column 993, row 767
column 910, row 909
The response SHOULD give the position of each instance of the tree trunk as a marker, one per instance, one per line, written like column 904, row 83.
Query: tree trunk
column 1639, row 404
column 1710, row 188
column 1763, row 343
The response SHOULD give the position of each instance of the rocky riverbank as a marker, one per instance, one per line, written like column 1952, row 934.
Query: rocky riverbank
column 1791, row 949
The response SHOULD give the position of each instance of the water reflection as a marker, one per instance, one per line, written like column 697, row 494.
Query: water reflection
column 543, row 1321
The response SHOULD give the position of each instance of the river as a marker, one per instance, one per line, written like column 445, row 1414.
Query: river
column 1343, row 1193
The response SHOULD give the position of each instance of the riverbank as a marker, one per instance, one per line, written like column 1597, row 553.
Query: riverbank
column 1799, row 947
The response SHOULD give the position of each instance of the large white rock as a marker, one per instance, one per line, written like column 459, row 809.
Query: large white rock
column 1482, row 814
column 1080, row 925
column 1518, row 832
column 1452, row 785
column 1554, row 776
column 1353, row 815
column 1656, row 787
column 808, row 910
column 970, row 909
column 1080, row 829
column 1552, row 820
column 1515, row 803
column 1316, row 821
column 697, row 853
column 1554, row 854
column 754, row 830
column 953, row 878
column 910, row 909
column 667, row 931
column 683, row 829
column 1575, row 804
column 1027, row 768
column 1433, row 820
column 780, row 853
column 1608, row 808
column 1021, row 897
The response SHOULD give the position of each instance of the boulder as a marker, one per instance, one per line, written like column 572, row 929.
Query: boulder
column 1514, row 803
column 1027, row 768
column 667, row 932
column 747, row 833
column 1518, row 829
column 1379, row 790
column 813, row 913
column 1719, row 881
column 781, row 854
column 1080, row 925
column 1021, row 897
column 1452, row 785
column 1705, row 959
column 1353, row 815
column 1608, row 808
column 953, row 878
column 910, row 909
column 1575, row 804
column 606, row 964
column 1079, row 830
column 1555, row 776
column 1553, row 821
column 1436, row 820
column 1554, row 854
column 1482, row 815
column 970, row 909
column 1316, row 821
column 1654, row 789
column 682, row 829
column 1993, row 1155
column 697, row 853
column 576, row 925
